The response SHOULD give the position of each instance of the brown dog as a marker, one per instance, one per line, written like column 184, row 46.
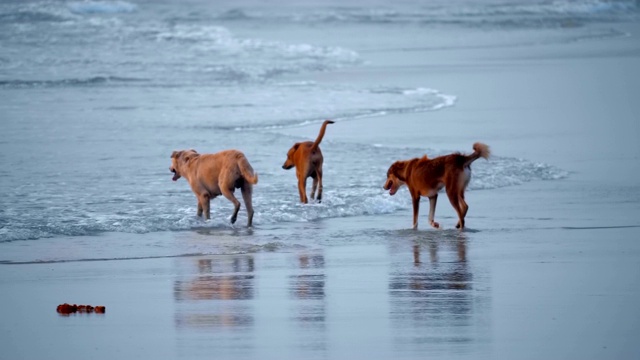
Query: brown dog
column 425, row 177
column 216, row 174
column 307, row 159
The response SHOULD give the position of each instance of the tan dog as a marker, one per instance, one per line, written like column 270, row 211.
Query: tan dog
column 307, row 159
column 425, row 177
column 216, row 174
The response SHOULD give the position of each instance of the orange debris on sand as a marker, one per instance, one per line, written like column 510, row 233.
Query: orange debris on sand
column 66, row 309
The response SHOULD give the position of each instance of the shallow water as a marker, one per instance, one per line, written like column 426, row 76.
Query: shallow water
column 96, row 96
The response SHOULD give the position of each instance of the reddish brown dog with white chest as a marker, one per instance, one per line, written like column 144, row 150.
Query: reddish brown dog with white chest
column 216, row 174
column 425, row 177
column 307, row 159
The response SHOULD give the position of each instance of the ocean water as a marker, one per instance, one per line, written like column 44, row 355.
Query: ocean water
column 95, row 95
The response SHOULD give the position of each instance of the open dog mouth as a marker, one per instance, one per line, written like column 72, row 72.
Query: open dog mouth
column 176, row 176
column 389, row 186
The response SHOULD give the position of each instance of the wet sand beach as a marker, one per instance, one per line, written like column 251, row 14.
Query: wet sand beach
column 532, row 289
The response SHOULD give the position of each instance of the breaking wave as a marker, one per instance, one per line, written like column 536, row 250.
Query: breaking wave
column 102, row 7
column 531, row 14
column 96, row 80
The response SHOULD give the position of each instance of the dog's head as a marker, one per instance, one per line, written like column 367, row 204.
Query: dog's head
column 288, row 164
column 395, row 177
column 178, row 159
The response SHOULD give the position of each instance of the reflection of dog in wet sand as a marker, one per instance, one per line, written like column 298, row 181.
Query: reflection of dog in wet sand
column 425, row 177
column 216, row 174
column 307, row 159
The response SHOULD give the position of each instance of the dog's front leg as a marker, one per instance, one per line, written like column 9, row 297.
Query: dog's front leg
column 314, row 186
column 203, row 206
column 432, row 211
column 319, row 176
column 416, row 210
column 246, row 195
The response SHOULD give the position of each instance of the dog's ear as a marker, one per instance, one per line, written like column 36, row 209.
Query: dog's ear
column 175, row 154
column 190, row 155
column 293, row 149
column 398, row 170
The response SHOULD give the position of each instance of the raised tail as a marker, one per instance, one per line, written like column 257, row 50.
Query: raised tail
column 247, row 171
column 480, row 150
column 321, row 134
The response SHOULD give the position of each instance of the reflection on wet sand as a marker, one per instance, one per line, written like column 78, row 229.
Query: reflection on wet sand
column 436, row 301
column 211, row 292
column 307, row 288
column 433, row 300
column 217, row 301
column 308, row 285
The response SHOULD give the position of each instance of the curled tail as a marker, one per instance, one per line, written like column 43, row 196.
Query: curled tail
column 480, row 150
column 321, row 134
column 247, row 171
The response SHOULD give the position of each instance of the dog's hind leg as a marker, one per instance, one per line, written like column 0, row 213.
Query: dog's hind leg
column 454, row 198
column 319, row 178
column 246, row 196
column 432, row 211
column 199, row 213
column 314, row 187
column 464, row 207
column 236, row 204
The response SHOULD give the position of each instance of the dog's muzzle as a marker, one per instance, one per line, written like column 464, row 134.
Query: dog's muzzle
column 388, row 185
column 176, row 176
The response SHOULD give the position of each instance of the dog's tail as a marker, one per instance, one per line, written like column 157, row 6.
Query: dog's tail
column 480, row 150
column 247, row 171
column 321, row 134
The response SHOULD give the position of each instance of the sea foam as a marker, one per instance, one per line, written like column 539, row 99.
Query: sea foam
column 102, row 7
